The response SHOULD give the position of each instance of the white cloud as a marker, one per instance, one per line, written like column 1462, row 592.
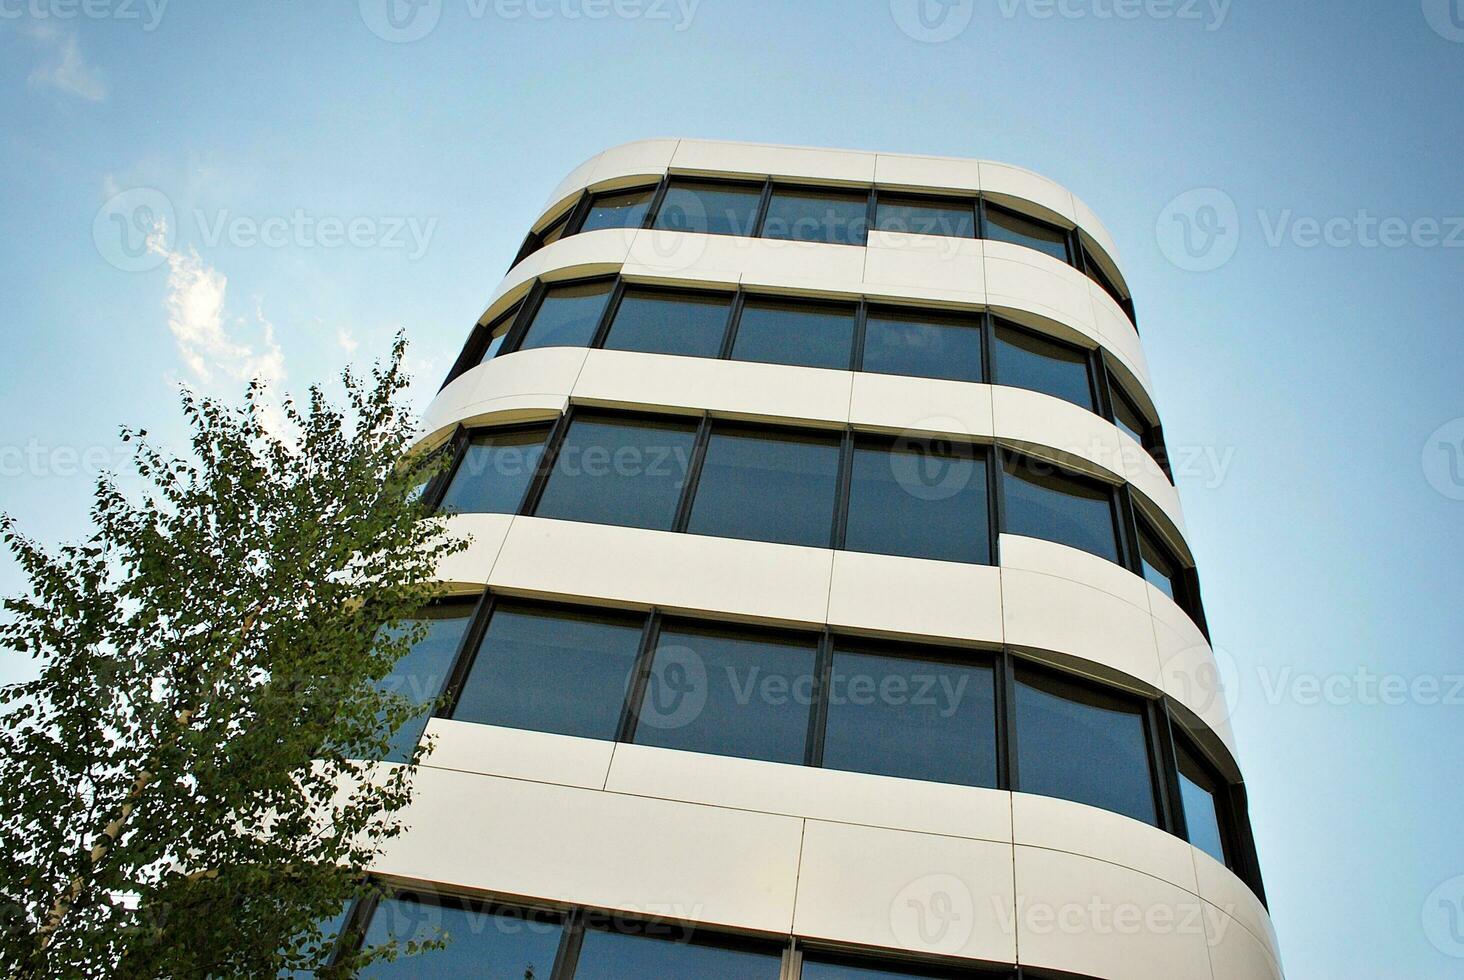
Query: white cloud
column 348, row 343
column 63, row 67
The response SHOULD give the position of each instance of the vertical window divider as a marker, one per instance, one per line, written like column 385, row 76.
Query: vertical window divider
column 818, row 711
column 353, row 930
column 530, row 306
column 1128, row 529
column 988, row 347
column 1166, row 769
column 981, row 216
column 792, row 967
column 734, row 317
column 1007, row 776
column 1248, row 865
column 653, row 211
column 607, row 315
column 1101, row 383
column 871, row 213
column 995, row 495
column 466, row 655
column 640, row 677
column 762, row 208
column 471, row 353
column 861, row 322
column 547, row 461
column 693, row 474
column 457, row 445
column 574, row 219
column 841, row 493
column 566, row 959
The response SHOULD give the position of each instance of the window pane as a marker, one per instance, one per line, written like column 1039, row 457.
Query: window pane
column 626, row 209
column 1008, row 226
column 921, row 719
column 922, row 346
column 804, row 216
column 1040, row 501
column 1201, row 807
column 728, row 693
column 626, row 472
column 1025, row 360
column 554, row 232
column 767, row 487
column 494, row 472
column 497, row 332
column 924, row 499
column 816, row 969
column 422, row 672
column 1127, row 417
column 793, row 333
column 715, row 209
column 926, row 216
column 640, row 956
column 568, row 316
column 670, row 323
column 551, row 671
column 1096, row 273
column 478, row 943
column 1082, row 745
column 1159, row 566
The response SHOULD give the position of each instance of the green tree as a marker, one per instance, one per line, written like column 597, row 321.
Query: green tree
column 178, row 796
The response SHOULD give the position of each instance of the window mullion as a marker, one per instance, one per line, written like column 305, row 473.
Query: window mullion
column 566, row 960
column 840, row 529
column 552, row 444
column 607, row 315
column 640, row 677
column 763, row 204
column 1166, row 769
column 693, row 474
column 1006, row 714
column 818, row 713
column 995, row 493
column 515, row 334
column 734, row 316
column 861, row 323
column 659, row 196
column 467, row 652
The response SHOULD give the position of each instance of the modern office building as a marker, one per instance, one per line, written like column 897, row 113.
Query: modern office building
column 829, row 610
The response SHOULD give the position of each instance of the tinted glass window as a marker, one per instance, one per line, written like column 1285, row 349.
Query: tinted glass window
column 1096, row 273
column 1199, row 792
column 670, row 323
column 1082, row 745
column 612, row 471
column 479, row 943
column 1159, row 565
column 1040, row 501
column 716, row 209
column 922, row 346
column 811, row 216
column 554, row 232
column 1025, row 360
column 626, row 209
column 767, row 487
column 728, row 693
column 494, row 472
column 1127, row 417
column 1008, row 226
column 568, row 316
column 624, row 956
column 497, row 332
column 921, row 719
column 921, row 498
column 828, row 969
column 793, row 333
column 926, row 216
column 422, row 672
column 551, row 670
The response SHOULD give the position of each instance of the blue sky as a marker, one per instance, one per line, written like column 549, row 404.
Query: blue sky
column 1307, row 375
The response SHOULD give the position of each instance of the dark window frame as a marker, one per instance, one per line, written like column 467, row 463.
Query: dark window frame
column 1090, row 355
column 949, row 201
column 1120, row 506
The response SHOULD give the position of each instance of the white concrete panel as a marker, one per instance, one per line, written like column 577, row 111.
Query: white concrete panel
column 1101, row 920
column 728, row 388
column 485, row 534
column 525, row 380
column 898, row 890
column 920, row 406
column 626, row 853
column 594, row 253
column 1188, row 666
column 946, row 173
column 1060, row 825
column 643, row 158
column 1058, row 431
column 925, row 267
column 1048, row 613
column 793, row 162
column 1235, row 952
column 540, row 757
column 1026, row 279
column 916, row 597
column 828, row 794
column 676, row 256
column 1003, row 180
column 1220, row 886
column 1075, row 565
column 1087, row 219
column 752, row 580
column 802, row 267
